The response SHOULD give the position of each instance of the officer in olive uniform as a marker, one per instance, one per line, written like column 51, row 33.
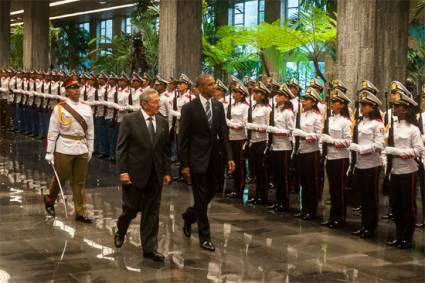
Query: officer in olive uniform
column 70, row 146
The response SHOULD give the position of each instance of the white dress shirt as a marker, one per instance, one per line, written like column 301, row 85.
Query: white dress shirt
column 371, row 140
column 146, row 117
column 284, row 123
column 341, row 134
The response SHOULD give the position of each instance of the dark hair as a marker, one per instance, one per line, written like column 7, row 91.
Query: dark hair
column 288, row 105
column 200, row 79
column 375, row 114
column 265, row 100
column 410, row 115
column 344, row 111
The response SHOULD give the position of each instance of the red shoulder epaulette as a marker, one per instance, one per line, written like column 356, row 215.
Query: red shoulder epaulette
column 317, row 112
column 379, row 120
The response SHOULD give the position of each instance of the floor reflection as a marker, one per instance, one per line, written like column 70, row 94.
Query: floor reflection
column 252, row 244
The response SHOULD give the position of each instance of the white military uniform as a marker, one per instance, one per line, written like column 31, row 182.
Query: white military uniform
column 284, row 123
column 237, row 123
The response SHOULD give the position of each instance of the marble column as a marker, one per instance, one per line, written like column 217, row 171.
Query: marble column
column 372, row 42
column 272, row 10
column 4, row 33
column 36, row 34
column 180, row 37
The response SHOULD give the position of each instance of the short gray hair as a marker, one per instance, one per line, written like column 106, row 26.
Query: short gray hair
column 146, row 94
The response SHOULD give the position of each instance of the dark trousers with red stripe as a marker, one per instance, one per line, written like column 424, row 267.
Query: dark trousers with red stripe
column 239, row 173
column 308, row 168
column 337, row 175
column 280, row 169
column 403, row 192
column 257, row 153
column 368, row 183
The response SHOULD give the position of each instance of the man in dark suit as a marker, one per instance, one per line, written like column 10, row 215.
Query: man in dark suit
column 143, row 160
column 202, row 121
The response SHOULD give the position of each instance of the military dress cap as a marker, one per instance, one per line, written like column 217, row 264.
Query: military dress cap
column 240, row 87
column 161, row 79
column 368, row 97
column 316, row 84
column 284, row 90
column 367, row 85
column 293, row 82
column 222, row 86
column 92, row 76
column 313, row 94
column 274, row 85
column 338, row 84
column 249, row 81
column 338, row 95
column 71, row 81
column 113, row 76
column 102, row 75
column 124, row 77
column 171, row 80
column 400, row 95
column 184, row 79
column 261, row 88
column 146, row 77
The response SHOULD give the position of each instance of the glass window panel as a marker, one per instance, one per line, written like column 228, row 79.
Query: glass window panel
column 251, row 13
column 292, row 3
column 293, row 12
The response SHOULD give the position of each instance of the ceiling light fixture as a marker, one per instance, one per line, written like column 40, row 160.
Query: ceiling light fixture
column 93, row 11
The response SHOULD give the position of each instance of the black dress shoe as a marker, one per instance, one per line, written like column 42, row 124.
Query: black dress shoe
column 232, row 195
column 83, row 218
column 187, row 228
column 420, row 225
column 299, row 215
column 393, row 243
column 252, row 201
column 308, row 216
column 326, row 222
column 367, row 234
column 155, row 256
column 387, row 216
column 404, row 245
column 335, row 224
column 359, row 232
column 118, row 240
column 208, row 245
column 273, row 206
column 357, row 209
column 50, row 209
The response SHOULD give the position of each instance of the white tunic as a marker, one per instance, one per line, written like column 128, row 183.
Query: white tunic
column 311, row 122
column 408, row 141
column 237, row 123
column 341, row 134
column 62, row 122
column 164, row 99
column 284, row 123
column 371, row 140
column 260, row 121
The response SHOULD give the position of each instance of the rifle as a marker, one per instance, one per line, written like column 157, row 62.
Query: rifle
column 421, row 168
column 105, row 98
column 96, row 98
column 130, row 99
column 50, row 92
column 386, row 185
column 229, row 108
column 34, row 87
column 174, row 121
column 114, row 116
column 271, row 123
column 16, row 87
column 40, row 108
column 355, row 139
column 85, row 93
column 21, row 103
column 27, row 97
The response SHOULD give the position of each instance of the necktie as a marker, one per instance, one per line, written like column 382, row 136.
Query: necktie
column 208, row 112
column 151, row 129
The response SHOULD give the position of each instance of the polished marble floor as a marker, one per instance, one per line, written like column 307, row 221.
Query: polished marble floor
column 253, row 245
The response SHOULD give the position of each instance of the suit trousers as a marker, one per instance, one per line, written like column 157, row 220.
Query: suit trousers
column 203, row 188
column 147, row 200
column 403, row 191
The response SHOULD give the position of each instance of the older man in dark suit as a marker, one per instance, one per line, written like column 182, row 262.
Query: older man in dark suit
column 202, row 121
column 143, row 159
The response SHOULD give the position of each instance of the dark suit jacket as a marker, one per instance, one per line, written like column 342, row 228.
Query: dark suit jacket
column 196, row 138
column 137, row 155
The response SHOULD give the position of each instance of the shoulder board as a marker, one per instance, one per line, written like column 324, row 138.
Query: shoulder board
column 317, row 112
column 379, row 120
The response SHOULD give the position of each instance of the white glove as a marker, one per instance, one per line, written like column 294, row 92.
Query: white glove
column 299, row 133
column 176, row 114
column 327, row 139
column 423, row 138
column 355, row 147
column 270, row 129
column 49, row 158
column 251, row 126
column 90, row 154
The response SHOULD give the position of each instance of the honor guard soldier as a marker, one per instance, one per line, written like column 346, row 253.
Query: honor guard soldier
column 99, row 115
column 280, row 130
column 17, row 93
column 257, row 144
column 147, row 80
column 4, row 93
column 69, row 147
column 407, row 146
column 161, row 87
column 318, row 86
column 123, row 96
column 295, row 89
column 136, row 90
column 311, row 123
column 338, row 140
column 111, row 102
column 236, row 118
column 368, row 161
